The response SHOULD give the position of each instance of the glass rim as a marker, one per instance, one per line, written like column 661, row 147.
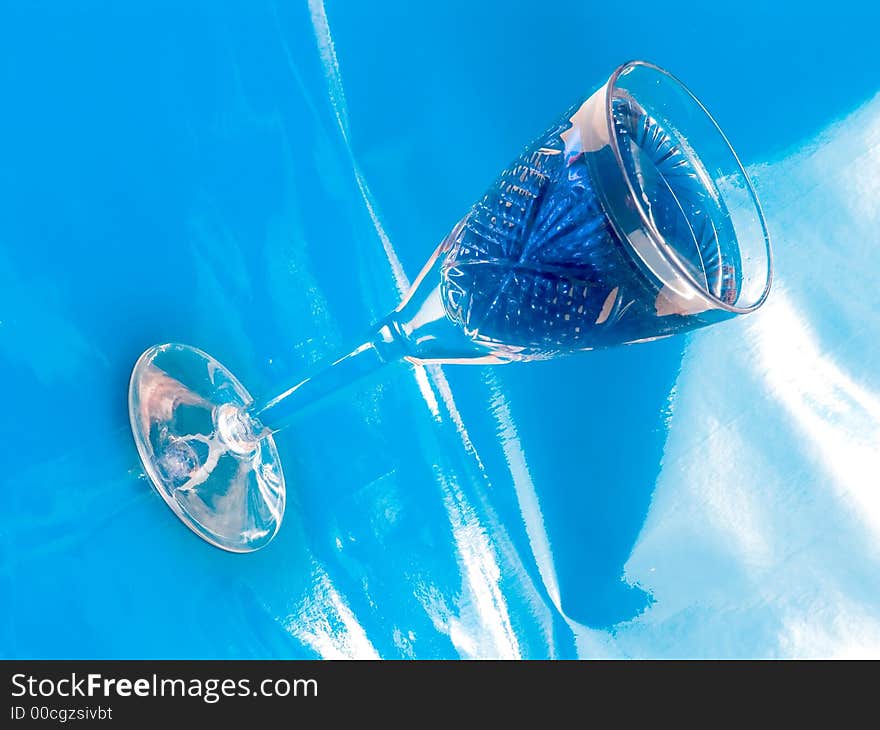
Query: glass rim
column 664, row 248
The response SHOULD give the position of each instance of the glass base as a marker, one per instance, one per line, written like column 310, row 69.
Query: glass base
column 223, row 482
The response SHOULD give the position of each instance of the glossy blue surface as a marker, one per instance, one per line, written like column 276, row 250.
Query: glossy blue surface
column 259, row 180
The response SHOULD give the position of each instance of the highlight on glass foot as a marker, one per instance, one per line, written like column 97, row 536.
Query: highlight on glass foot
column 629, row 219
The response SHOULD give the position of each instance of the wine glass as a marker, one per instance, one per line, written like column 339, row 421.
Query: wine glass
column 629, row 219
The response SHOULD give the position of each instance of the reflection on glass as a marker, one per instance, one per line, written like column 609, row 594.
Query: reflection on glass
column 609, row 229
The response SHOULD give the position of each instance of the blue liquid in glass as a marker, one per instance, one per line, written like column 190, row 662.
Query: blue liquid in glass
column 537, row 264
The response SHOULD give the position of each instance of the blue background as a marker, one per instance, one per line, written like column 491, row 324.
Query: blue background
column 261, row 180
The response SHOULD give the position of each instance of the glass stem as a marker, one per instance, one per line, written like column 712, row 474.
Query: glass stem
column 273, row 414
